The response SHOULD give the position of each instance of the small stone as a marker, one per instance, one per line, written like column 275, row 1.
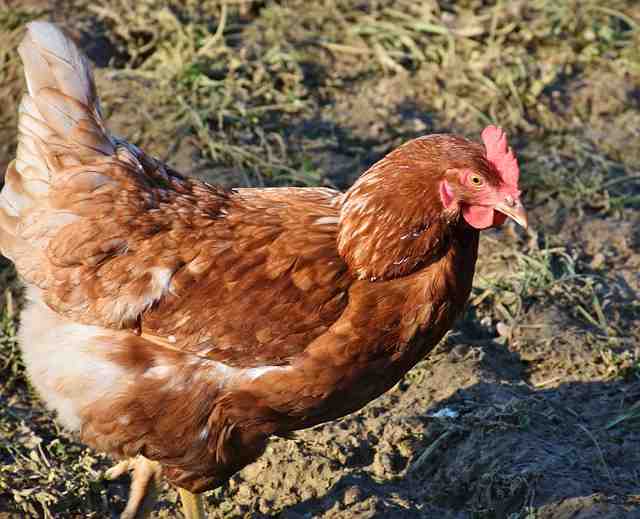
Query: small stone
column 458, row 353
column 386, row 463
column 445, row 412
column 503, row 329
column 419, row 125
column 352, row 495
column 597, row 261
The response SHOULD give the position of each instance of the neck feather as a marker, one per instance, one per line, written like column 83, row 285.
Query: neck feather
column 389, row 229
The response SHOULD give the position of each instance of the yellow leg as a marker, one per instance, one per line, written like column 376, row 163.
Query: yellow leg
column 192, row 505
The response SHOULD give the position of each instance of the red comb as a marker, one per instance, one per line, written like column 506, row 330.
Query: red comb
column 501, row 155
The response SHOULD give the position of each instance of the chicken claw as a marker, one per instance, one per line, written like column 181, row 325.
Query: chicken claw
column 145, row 480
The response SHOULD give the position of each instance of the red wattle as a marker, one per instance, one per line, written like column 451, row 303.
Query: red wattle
column 478, row 216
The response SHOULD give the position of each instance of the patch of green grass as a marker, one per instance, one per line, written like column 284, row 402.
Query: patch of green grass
column 11, row 366
column 514, row 281
column 623, row 364
column 233, row 98
column 520, row 277
column 12, row 372
column 576, row 174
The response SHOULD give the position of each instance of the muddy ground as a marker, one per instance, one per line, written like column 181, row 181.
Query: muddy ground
column 531, row 406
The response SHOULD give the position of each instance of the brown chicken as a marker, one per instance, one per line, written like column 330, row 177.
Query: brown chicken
column 177, row 325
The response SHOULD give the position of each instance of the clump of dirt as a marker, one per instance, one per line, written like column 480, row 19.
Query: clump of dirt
column 530, row 408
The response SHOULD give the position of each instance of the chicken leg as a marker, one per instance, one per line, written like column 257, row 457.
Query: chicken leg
column 192, row 505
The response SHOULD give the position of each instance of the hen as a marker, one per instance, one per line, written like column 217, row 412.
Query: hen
column 175, row 321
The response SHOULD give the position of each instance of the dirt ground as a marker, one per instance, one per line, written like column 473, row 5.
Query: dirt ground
column 530, row 408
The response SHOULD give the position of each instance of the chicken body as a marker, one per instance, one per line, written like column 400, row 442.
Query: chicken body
column 186, row 323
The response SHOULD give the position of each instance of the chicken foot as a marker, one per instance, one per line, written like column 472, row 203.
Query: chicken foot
column 145, row 480
column 143, row 494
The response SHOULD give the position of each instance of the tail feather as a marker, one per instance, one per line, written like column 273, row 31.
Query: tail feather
column 60, row 126
column 33, row 132
column 51, row 60
column 61, row 111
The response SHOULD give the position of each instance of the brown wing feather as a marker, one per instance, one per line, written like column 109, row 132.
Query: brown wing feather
column 130, row 231
column 267, row 281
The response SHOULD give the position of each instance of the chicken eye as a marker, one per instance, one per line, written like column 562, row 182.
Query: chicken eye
column 476, row 180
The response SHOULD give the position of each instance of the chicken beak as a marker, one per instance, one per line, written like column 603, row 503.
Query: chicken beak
column 513, row 208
